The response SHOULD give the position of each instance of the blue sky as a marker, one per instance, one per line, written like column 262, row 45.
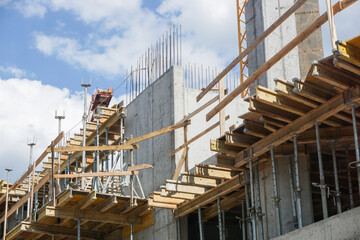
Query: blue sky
column 47, row 46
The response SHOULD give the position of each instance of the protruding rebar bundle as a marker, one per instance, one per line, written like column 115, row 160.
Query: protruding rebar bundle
column 321, row 170
column 276, row 194
column 297, row 183
column 336, row 178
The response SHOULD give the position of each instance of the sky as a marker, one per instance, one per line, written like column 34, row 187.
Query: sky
column 48, row 46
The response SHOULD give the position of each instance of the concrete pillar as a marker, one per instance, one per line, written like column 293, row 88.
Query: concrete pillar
column 260, row 14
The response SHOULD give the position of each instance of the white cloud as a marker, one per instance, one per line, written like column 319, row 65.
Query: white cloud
column 204, row 25
column 31, row 8
column 13, row 71
column 28, row 109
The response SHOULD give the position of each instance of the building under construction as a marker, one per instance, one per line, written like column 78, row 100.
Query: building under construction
column 267, row 150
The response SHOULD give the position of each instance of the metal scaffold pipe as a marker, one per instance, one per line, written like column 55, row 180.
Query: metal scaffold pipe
column 356, row 140
column 83, row 162
column 348, row 170
column 201, row 230
column 252, row 192
column 259, row 210
column 336, row 178
column 276, row 194
column 219, row 219
column 297, row 183
column 292, row 197
column 321, row 170
column 247, row 199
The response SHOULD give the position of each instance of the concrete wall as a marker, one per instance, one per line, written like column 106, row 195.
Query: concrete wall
column 260, row 14
column 267, row 194
column 339, row 227
column 162, row 104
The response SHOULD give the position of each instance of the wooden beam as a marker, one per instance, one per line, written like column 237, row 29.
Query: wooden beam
column 338, row 7
column 139, row 167
column 97, row 174
column 118, row 219
column 86, row 201
column 214, row 171
column 180, row 164
column 94, row 148
column 301, row 124
column 59, row 230
column 177, row 186
column 210, row 196
column 252, row 46
column 196, row 137
column 158, row 132
column 37, row 162
column 152, row 203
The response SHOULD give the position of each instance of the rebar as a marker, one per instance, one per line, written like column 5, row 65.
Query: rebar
column 297, row 183
column 276, row 194
column 336, row 178
column 321, row 170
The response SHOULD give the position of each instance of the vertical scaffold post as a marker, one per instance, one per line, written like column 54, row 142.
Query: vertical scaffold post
column 84, row 118
column 78, row 229
column 297, row 182
column 292, row 197
column 276, row 193
column 243, row 220
column 336, row 178
column 356, row 140
column 351, row 197
column 131, row 185
column 219, row 219
column 321, row 170
column 247, row 199
column 201, row 231
column 52, row 174
column 259, row 210
column 252, row 192
column 178, row 228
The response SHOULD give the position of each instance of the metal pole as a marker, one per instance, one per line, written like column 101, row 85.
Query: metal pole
column 31, row 143
column 337, row 189
column 76, row 171
column 356, row 142
column 200, row 224
column 243, row 220
column 247, row 199
column 219, row 219
column 84, row 118
column 36, row 197
column 59, row 117
column 293, row 205
column 252, row 211
column 97, row 154
column 297, row 182
column 7, row 201
column 132, row 176
column 78, row 230
column 178, row 228
column 131, row 232
column 321, row 170
column 259, row 210
column 52, row 173
column 351, row 198
column 107, row 154
column 276, row 194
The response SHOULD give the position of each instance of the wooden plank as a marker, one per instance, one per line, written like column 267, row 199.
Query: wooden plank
column 179, row 195
column 158, row 132
column 221, row 147
column 94, row 148
column 240, row 140
column 59, row 230
column 106, row 204
column 301, row 124
column 163, row 199
column 251, row 47
column 96, row 174
column 210, row 196
column 348, row 66
column 176, row 186
column 64, row 198
column 213, row 171
column 196, row 137
column 112, row 218
column 139, row 167
column 152, row 203
column 86, row 201
column 199, row 180
column 338, row 7
column 180, row 164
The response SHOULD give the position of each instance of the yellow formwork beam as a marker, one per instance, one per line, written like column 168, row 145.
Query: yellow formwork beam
column 349, row 50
